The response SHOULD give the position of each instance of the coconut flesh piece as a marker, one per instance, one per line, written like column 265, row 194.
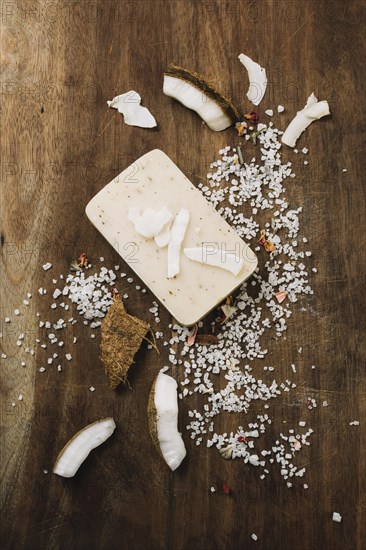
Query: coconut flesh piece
column 163, row 420
column 134, row 114
column 216, row 257
column 78, row 448
column 178, row 232
column 163, row 237
column 313, row 110
column 257, row 79
column 194, row 92
column 151, row 222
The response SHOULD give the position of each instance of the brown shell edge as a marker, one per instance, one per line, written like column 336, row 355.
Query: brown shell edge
column 152, row 419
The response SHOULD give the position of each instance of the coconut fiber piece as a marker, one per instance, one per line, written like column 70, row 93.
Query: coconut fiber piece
column 122, row 336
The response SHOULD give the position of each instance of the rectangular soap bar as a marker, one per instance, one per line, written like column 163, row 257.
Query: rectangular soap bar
column 154, row 181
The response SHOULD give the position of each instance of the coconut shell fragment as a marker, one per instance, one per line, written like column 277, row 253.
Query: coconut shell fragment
column 217, row 111
column 121, row 338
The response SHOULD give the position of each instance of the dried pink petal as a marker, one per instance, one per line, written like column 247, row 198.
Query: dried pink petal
column 281, row 296
column 192, row 337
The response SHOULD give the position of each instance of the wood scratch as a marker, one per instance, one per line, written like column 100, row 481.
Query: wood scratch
column 296, row 31
column 156, row 43
column 102, row 130
column 107, row 59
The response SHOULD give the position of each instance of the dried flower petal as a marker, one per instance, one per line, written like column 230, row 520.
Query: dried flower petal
column 192, row 337
column 268, row 245
column 253, row 117
column 83, row 260
column 241, row 128
column 281, row 296
column 226, row 488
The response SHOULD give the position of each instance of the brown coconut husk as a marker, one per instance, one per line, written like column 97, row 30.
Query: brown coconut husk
column 199, row 82
column 121, row 338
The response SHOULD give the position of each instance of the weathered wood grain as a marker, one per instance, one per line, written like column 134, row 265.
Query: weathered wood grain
column 61, row 61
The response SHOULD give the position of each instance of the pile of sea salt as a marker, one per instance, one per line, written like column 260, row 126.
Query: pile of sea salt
column 255, row 187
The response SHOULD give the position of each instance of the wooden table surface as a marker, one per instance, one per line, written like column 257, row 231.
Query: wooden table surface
column 61, row 61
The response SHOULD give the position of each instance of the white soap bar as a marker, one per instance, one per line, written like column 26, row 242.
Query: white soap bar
column 154, row 181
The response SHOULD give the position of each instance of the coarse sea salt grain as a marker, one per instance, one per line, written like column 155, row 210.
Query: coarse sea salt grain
column 336, row 517
column 47, row 266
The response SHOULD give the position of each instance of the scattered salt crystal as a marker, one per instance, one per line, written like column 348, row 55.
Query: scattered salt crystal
column 59, row 368
column 254, row 536
column 344, row 170
column 20, row 398
column 92, row 388
column 68, row 356
column 213, row 490
column 16, row 312
column 354, row 423
column 302, row 423
column 305, row 150
column 29, row 295
column 3, row 356
column 280, row 108
column 41, row 369
column 306, row 486
column 47, row 266
column 25, row 302
column 269, row 112
column 337, row 517
column 7, row 320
